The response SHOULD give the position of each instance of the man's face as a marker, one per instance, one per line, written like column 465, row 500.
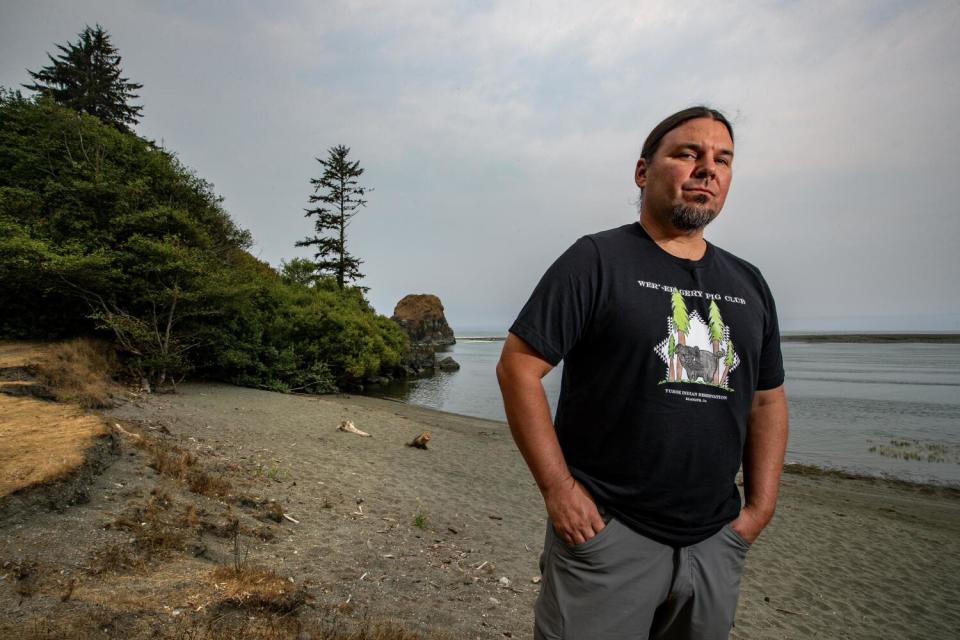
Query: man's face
column 686, row 181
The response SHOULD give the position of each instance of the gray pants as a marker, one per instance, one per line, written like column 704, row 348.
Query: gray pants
column 620, row 585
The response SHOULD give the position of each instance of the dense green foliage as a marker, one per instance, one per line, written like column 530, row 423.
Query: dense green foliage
column 86, row 77
column 103, row 231
column 338, row 196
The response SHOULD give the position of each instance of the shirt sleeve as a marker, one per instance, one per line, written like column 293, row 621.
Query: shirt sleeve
column 562, row 305
column 771, row 374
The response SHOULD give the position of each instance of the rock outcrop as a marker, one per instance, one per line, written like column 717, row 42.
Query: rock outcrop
column 448, row 364
column 420, row 315
column 421, row 318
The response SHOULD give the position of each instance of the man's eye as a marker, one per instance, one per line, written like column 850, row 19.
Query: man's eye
column 723, row 161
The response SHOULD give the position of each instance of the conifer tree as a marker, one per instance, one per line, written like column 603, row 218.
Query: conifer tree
column 340, row 196
column 86, row 78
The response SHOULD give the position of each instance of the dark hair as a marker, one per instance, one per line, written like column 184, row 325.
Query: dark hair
column 670, row 123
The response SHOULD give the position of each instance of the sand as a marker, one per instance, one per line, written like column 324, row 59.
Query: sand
column 447, row 539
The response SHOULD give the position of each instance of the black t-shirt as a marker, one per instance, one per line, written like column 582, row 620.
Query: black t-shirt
column 661, row 359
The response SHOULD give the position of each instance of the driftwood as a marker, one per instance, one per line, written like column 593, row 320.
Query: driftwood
column 134, row 436
column 348, row 427
column 420, row 442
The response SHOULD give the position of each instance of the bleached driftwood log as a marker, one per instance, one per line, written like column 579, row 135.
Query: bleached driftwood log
column 348, row 427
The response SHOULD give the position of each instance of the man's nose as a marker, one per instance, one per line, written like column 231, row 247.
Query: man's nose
column 706, row 168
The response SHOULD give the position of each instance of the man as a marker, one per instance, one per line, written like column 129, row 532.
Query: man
column 672, row 377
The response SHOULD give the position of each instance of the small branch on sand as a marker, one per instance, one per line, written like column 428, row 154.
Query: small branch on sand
column 291, row 518
column 135, row 436
column 348, row 427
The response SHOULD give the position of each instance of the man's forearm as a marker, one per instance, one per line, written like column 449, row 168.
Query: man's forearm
column 571, row 508
column 528, row 414
column 763, row 454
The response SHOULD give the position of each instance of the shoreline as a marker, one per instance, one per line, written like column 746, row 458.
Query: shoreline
column 415, row 411
column 809, row 470
column 880, row 337
column 874, row 338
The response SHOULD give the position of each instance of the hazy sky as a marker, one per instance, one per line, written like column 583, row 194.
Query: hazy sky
column 496, row 133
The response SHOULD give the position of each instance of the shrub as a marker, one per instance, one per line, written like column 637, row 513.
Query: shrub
column 80, row 371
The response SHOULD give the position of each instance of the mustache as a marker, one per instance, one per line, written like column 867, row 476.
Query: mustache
column 697, row 186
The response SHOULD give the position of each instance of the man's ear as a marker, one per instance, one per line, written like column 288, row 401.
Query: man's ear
column 640, row 175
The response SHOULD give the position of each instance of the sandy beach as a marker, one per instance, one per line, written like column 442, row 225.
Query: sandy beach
column 445, row 541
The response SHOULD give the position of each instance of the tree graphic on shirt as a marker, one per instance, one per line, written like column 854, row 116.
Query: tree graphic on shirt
column 728, row 362
column 716, row 335
column 681, row 321
column 671, row 352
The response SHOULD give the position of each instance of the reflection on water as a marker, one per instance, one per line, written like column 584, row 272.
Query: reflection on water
column 472, row 390
column 845, row 399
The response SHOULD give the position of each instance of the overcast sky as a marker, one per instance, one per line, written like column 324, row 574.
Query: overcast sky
column 496, row 133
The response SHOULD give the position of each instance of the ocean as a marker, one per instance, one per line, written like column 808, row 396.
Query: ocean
column 874, row 409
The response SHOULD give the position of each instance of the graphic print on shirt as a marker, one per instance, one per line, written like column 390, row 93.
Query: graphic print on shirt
column 695, row 350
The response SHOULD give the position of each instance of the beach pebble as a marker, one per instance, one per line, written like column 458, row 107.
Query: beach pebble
column 494, row 601
column 504, row 581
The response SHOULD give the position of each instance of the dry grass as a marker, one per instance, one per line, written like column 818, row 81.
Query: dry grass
column 167, row 459
column 155, row 531
column 117, row 558
column 41, row 441
column 97, row 624
column 249, row 587
column 205, row 484
column 186, row 599
column 17, row 355
column 170, row 460
column 79, row 371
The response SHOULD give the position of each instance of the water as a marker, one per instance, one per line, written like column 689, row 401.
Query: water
column 876, row 409
column 471, row 391
column 897, row 399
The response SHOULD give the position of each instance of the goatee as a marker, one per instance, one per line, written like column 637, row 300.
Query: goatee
column 691, row 218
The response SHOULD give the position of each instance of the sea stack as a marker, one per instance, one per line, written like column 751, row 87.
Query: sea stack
column 421, row 317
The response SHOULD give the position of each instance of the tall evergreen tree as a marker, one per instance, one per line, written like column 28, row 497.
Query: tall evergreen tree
column 86, row 78
column 340, row 196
